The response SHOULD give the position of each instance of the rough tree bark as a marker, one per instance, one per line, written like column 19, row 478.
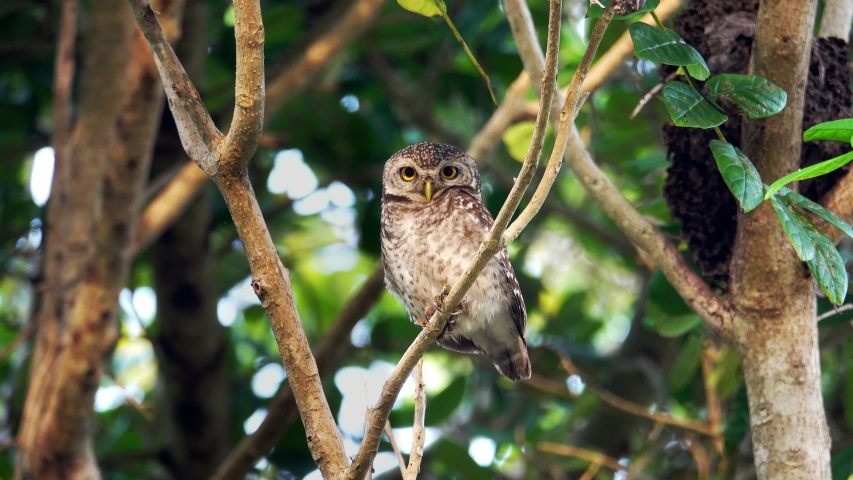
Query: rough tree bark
column 773, row 293
column 107, row 164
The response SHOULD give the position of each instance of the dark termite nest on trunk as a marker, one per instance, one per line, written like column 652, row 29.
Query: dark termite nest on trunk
column 697, row 197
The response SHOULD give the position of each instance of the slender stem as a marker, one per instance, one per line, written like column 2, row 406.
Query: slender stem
column 443, row 9
column 657, row 20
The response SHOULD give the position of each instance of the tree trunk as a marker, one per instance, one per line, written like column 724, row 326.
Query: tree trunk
column 120, row 106
column 773, row 293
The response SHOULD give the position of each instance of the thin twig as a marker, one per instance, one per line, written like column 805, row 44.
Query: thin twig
column 591, row 471
column 400, row 460
column 418, row 431
column 132, row 401
column 631, row 407
column 590, row 456
column 651, row 94
column 488, row 248
column 843, row 308
column 700, row 456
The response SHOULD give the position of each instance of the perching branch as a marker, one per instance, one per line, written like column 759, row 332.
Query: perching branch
column 224, row 159
column 640, row 231
column 489, row 247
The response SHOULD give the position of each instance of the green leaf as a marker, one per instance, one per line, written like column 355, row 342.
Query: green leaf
column 842, row 465
column 665, row 296
column 698, row 70
column 427, row 8
column 816, row 170
column 596, row 11
column 828, row 267
column 668, row 47
column 818, row 210
column 517, row 139
column 688, row 109
column 757, row 96
column 836, row 130
column 739, row 174
column 667, row 325
column 795, row 228
column 686, row 363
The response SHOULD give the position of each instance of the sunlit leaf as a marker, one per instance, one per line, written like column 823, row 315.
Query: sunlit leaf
column 517, row 139
column 795, row 228
column 816, row 209
column 739, row 174
column 427, row 8
column 596, row 11
column 668, row 47
column 815, row 170
column 757, row 96
column 688, row 109
column 836, row 130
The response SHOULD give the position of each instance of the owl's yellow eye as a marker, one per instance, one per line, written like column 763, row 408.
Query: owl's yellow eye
column 408, row 173
column 449, row 172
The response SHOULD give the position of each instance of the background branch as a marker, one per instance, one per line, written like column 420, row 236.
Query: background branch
column 640, row 231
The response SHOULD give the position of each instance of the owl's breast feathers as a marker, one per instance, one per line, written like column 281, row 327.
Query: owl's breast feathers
column 428, row 245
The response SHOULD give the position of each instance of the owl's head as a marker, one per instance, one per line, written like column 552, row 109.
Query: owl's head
column 425, row 171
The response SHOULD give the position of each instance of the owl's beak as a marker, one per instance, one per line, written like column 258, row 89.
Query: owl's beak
column 428, row 190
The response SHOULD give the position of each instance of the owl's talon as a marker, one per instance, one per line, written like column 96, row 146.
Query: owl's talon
column 421, row 322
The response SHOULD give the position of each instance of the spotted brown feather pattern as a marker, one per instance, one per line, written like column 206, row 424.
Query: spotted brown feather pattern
column 428, row 244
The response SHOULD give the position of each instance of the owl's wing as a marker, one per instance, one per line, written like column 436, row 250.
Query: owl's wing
column 513, row 293
column 510, row 285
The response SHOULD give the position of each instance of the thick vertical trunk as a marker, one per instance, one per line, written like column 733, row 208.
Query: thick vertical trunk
column 773, row 293
column 120, row 106
column 193, row 401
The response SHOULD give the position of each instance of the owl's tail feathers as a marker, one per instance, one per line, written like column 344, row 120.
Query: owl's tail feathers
column 513, row 363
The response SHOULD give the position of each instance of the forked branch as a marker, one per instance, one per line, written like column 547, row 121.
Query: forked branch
column 224, row 159
column 494, row 240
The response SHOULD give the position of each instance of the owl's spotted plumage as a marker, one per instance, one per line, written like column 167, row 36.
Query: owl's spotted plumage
column 433, row 221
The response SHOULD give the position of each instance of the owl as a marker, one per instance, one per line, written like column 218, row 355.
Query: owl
column 433, row 221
